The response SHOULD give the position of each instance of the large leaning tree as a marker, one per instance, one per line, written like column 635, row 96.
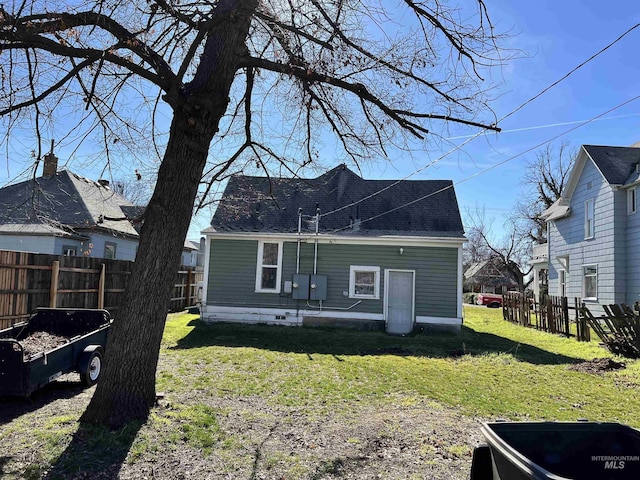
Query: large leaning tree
column 258, row 82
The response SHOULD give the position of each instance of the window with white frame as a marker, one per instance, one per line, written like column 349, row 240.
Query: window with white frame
column 590, row 282
column 588, row 218
column 364, row 282
column 631, row 200
column 269, row 267
column 69, row 250
column 562, row 283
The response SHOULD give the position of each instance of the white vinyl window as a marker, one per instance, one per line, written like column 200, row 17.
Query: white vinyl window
column 269, row 267
column 631, row 201
column 590, row 282
column 69, row 250
column 562, row 283
column 588, row 218
column 364, row 282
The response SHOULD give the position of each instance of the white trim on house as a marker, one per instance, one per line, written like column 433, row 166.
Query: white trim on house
column 277, row 316
column 260, row 265
column 460, row 283
column 293, row 317
column 205, row 277
column 423, row 320
column 343, row 240
column 352, row 281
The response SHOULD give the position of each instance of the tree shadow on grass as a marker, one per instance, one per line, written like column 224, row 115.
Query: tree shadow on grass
column 94, row 452
column 342, row 342
column 14, row 407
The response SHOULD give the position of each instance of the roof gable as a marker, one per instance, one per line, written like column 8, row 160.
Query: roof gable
column 66, row 200
column 615, row 164
column 348, row 204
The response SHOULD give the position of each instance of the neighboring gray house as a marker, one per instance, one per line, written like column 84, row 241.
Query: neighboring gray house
column 489, row 276
column 336, row 249
column 594, row 229
column 63, row 213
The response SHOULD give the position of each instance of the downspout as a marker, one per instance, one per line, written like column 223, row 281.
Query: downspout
column 315, row 253
column 299, row 232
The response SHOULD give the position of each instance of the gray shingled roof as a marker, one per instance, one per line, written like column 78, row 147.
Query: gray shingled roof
column 66, row 201
column 615, row 163
column 259, row 204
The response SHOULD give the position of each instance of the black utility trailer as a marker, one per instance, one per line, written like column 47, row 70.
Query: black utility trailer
column 80, row 334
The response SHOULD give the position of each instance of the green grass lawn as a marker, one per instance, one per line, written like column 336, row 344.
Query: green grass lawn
column 506, row 371
column 227, row 386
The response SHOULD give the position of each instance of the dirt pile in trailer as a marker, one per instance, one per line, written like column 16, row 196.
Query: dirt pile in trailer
column 38, row 342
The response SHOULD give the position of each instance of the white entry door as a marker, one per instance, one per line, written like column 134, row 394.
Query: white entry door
column 399, row 299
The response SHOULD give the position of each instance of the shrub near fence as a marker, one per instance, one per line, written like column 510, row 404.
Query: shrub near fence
column 31, row 280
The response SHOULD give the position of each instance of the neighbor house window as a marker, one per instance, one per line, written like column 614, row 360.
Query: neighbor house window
column 109, row 250
column 562, row 283
column 631, row 200
column 69, row 250
column 364, row 282
column 590, row 282
column 269, row 271
column 588, row 218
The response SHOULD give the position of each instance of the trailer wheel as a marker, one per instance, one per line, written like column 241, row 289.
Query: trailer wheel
column 91, row 367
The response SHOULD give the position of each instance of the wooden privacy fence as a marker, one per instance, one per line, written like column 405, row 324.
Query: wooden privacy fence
column 550, row 315
column 31, row 280
column 618, row 328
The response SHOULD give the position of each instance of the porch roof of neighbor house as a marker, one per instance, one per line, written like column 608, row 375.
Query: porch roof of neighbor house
column 349, row 205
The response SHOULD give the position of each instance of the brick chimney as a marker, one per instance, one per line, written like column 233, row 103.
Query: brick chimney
column 50, row 164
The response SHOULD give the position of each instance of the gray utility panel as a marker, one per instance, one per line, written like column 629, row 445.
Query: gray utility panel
column 309, row 287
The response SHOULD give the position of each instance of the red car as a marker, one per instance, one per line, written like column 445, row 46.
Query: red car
column 489, row 299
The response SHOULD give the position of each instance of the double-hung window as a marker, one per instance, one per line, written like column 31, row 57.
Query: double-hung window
column 590, row 282
column 588, row 218
column 269, row 267
column 364, row 282
column 562, row 283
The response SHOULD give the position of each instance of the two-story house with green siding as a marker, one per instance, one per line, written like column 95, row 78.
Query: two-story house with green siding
column 336, row 250
column 593, row 249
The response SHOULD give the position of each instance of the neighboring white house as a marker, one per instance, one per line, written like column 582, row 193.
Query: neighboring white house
column 594, row 229
column 62, row 213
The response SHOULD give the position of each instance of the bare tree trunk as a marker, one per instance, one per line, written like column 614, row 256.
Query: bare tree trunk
column 126, row 390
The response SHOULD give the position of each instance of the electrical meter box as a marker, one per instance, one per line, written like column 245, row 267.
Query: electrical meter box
column 300, row 287
column 318, row 287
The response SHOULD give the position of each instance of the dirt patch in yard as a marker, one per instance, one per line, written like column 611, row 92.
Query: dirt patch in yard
column 597, row 366
column 402, row 438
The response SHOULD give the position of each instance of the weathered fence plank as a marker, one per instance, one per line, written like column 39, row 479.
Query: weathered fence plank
column 31, row 280
column 618, row 328
column 551, row 314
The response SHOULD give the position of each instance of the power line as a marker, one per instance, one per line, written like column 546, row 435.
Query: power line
column 549, row 125
column 483, row 131
column 482, row 172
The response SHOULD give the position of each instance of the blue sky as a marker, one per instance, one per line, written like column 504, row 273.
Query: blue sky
column 554, row 37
